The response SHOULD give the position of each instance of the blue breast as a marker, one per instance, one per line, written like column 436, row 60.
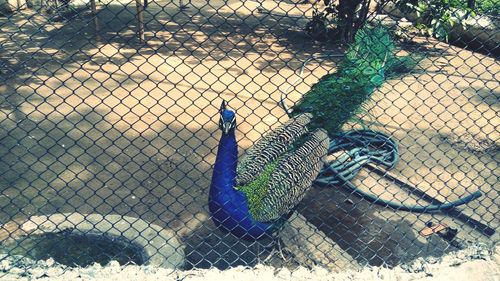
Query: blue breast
column 228, row 206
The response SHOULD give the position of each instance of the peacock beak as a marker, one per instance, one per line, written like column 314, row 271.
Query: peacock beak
column 227, row 125
column 226, row 128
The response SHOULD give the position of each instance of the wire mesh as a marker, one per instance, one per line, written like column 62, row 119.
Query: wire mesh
column 109, row 127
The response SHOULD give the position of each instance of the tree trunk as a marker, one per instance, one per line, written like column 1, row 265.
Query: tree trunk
column 352, row 16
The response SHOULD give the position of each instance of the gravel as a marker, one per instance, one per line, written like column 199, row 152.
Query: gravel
column 477, row 262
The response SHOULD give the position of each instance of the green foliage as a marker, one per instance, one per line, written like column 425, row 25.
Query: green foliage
column 437, row 17
column 256, row 191
column 339, row 96
column 489, row 7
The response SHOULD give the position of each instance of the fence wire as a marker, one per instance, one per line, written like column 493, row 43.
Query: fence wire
column 110, row 131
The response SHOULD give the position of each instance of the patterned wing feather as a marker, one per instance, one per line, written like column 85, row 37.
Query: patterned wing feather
column 270, row 147
column 292, row 177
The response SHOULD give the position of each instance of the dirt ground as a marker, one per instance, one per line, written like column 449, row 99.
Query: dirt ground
column 116, row 126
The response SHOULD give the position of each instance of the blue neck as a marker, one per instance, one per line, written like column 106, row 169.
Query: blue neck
column 224, row 176
column 228, row 206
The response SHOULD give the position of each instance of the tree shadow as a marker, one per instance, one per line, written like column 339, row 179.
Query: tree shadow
column 200, row 32
column 82, row 163
column 91, row 161
column 61, row 154
column 482, row 95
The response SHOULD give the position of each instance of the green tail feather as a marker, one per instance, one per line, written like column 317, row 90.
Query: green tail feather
column 339, row 96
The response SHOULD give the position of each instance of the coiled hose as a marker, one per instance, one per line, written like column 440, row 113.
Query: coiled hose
column 365, row 146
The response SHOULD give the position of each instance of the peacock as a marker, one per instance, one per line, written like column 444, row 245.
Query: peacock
column 253, row 198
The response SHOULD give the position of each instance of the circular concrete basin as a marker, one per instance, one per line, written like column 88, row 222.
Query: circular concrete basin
column 98, row 238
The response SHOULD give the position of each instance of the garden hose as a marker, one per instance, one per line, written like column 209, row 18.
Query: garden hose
column 365, row 146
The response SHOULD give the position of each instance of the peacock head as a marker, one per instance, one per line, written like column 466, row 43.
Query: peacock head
column 227, row 119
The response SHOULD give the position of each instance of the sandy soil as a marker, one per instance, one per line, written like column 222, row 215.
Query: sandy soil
column 117, row 126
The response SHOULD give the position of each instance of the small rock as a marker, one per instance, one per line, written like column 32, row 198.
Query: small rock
column 54, row 271
column 50, row 262
column 17, row 271
column 5, row 265
column 96, row 266
column 36, row 272
column 348, row 201
column 432, row 260
column 113, row 265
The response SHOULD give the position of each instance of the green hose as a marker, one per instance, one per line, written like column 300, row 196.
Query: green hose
column 362, row 147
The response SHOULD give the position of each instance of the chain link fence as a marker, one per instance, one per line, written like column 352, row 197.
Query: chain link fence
column 109, row 129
